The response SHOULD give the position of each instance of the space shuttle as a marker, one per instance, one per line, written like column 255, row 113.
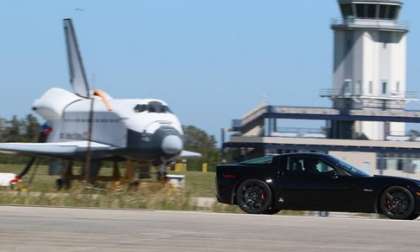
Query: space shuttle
column 89, row 125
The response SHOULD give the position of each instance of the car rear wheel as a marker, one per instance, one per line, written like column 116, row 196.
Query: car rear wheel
column 398, row 203
column 413, row 217
column 254, row 197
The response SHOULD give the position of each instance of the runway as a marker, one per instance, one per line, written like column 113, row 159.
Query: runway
column 62, row 229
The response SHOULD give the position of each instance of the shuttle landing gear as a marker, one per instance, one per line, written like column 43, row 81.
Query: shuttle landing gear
column 133, row 172
column 161, row 176
column 64, row 182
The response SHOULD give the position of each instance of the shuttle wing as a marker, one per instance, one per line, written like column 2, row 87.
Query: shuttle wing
column 51, row 149
column 76, row 69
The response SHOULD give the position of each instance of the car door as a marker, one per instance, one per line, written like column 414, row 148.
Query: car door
column 311, row 183
column 340, row 190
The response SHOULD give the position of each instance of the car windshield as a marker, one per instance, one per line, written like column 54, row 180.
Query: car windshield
column 260, row 160
column 349, row 168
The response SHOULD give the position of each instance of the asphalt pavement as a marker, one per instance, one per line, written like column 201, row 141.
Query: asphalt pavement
column 64, row 229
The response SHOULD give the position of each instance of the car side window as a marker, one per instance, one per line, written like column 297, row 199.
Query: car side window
column 322, row 167
column 281, row 164
column 308, row 166
column 295, row 167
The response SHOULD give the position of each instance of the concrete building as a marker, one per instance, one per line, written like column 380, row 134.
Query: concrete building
column 366, row 123
column 369, row 64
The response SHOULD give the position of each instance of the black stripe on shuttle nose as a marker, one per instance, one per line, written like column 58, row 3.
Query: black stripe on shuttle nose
column 136, row 140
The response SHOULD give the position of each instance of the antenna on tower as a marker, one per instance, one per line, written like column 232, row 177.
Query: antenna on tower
column 264, row 100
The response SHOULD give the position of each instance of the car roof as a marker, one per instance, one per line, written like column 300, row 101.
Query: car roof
column 300, row 154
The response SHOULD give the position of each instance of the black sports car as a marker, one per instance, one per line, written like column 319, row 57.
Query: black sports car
column 312, row 181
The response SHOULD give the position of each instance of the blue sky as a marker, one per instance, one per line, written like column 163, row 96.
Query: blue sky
column 210, row 60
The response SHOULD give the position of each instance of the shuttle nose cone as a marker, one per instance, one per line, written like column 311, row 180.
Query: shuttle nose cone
column 172, row 144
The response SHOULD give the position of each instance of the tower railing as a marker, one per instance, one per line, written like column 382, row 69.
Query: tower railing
column 331, row 93
column 370, row 23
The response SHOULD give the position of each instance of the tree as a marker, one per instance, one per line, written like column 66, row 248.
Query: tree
column 198, row 140
column 14, row 130
column 32, row 128
column 2, row 129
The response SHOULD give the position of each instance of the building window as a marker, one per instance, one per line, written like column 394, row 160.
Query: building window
column 392, row 13
column 384, row 87
column 383, row 11
column 347, row 87
column 397, row 88
column 347, row 10
column 361, row 10
column 358, row 88
column 366, row 10
column 371, row 10
column 370, row 87
column 400, row 165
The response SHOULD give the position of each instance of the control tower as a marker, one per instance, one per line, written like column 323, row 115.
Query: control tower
column 369, row 66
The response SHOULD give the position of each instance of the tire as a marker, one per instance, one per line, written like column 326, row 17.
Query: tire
column 413, row 217
column 272, row 211
column 398, row 203
column 254, row 197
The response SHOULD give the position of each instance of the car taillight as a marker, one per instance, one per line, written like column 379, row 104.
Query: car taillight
column 229, row 176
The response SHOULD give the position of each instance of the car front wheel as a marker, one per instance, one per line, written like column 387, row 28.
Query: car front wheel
column 398, row 203
column 254, row 197
column 272, row 211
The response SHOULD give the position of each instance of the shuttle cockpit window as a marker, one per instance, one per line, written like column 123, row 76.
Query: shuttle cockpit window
column 140, row 108
column 152, row 107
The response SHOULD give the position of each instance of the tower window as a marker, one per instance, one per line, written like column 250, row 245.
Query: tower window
column 347, row 87
column 392, row 13
column 371, row 10
column 384, row 87
column 358, row 88
column 383, row 9
column 370, row 87
column 398, row 87
column 346, row 10
column 388, row 11
column 361, row 10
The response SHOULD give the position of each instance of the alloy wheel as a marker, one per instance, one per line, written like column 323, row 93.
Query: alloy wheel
column 397, row 203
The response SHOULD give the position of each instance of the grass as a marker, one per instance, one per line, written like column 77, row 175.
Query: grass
column 41, row 181
column 198, row 184
column 149, row 195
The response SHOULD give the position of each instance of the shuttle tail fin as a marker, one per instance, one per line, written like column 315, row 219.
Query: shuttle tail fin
column 77, row 73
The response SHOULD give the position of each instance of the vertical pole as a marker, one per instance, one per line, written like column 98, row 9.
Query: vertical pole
column 222, row 137
column 89, row 139
column 275, row 124
column 116, row 175
column 222, row 140
column 268, row 122
column 205, row 167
